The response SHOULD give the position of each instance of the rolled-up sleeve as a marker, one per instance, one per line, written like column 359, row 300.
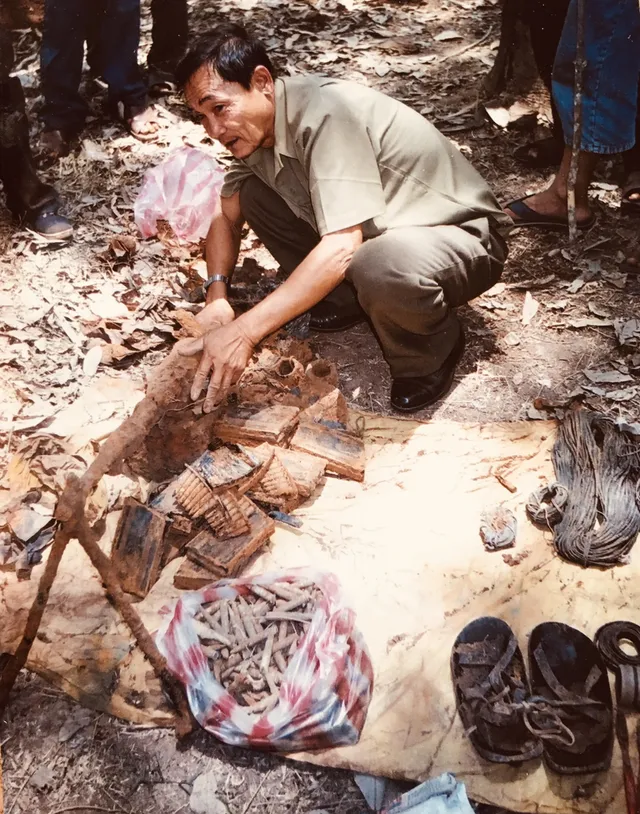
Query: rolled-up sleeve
column 341, row 164
column 234, row 177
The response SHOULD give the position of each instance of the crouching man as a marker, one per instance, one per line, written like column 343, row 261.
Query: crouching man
column 370, row 211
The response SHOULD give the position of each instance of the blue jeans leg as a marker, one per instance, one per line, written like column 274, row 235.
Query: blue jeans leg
column 610, row 82
column 61, row 54
column 119, row 39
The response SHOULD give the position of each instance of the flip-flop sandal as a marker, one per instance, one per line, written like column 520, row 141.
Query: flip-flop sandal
column 525, row 216
column 571, row 707
column 161, row 82
column 126, row 114
column 540, row 154
column 628, row 206
column 491, row 688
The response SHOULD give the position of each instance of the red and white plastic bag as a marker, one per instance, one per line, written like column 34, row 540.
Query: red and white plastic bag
column 325, row 690
column 183, row 190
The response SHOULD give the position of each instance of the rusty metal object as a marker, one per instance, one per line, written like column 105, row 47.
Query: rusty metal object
column 228, row 556
column 138, row 547
column 250, row 654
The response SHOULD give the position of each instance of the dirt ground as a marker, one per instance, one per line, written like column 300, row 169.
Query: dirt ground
column 559, row 311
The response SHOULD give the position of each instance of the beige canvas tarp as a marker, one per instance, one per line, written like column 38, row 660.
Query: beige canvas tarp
column 406, row 547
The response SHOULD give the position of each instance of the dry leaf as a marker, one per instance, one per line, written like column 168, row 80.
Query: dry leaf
column 498, row 115
column 529, row 309
column 622, row 395
column 106, row 306
column 607, row 376
column 627, row 331
column 111, row 354
column 123, row 247
column 107, row 397
column 590, row 322
column 92, row 360
column 443, row 36
column 94, row 152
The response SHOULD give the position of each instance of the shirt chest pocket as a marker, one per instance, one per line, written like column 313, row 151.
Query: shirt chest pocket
column 293, row 186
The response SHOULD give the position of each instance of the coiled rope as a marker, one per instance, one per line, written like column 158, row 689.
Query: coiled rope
column 593, row 506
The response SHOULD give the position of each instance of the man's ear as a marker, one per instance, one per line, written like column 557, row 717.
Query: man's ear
column 262, row 80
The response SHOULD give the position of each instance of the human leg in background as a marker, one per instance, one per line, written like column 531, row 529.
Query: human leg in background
column 409, row 281
column 119, row 39
column 169, row 37
column 545, row 19
column 28, row 198
column 609, row 105
column 61, row 55
column 631, row 160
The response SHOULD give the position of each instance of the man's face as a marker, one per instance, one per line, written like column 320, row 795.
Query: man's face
column 242, row 120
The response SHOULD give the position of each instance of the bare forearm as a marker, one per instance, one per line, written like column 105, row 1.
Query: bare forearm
column 318, row 274
column 222, row 248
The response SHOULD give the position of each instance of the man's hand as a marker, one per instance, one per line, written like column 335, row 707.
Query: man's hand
column 225, row 355
column 216, row 314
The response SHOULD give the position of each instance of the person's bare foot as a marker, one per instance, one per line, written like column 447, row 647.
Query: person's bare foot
column 631, row 189
column 549, row 203
column 143, row 123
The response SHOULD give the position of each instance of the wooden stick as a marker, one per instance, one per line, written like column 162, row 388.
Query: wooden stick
column 19, row 658
column 88, row 539
column 576, row 144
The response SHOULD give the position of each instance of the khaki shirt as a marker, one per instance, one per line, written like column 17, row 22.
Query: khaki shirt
column 345, row 154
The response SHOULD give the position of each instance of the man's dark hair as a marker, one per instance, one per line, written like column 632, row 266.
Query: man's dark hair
column 230, row 51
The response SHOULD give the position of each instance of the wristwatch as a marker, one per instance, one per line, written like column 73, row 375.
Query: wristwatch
column 215, row 278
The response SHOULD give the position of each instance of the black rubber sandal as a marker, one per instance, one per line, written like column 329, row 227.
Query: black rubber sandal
column 525, row 216
column 571, row 708
column 538, row 155
column 491, row 688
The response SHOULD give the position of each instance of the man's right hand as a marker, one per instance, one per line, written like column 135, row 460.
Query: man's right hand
column 216, row 314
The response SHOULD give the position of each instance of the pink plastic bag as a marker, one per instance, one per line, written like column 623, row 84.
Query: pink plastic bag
column 325, row 691
column 184, row 191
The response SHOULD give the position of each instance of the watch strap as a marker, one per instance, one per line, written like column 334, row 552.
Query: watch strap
column 215, row 278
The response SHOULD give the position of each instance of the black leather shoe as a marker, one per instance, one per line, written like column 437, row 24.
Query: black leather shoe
column 48, row 224
column 329, row 316
column 416, row 392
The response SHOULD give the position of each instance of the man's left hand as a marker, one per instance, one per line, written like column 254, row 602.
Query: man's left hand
column 225, row 355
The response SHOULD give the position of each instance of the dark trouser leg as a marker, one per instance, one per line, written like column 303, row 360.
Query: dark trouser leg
column 25, row 192
column 169, row 34
column 65, row 28
column 119, row 40
column 287, row 238
column 546, row 20
column 93, row 38
column 631, row 158
column 409, row 280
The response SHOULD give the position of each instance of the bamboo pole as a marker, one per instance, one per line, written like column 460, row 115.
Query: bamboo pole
column 580, row 65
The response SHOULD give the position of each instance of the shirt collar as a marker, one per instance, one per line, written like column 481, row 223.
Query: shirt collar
column 283, row 143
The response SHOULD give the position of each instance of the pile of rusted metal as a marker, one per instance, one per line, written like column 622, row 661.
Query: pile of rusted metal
column 264, row 455
column 250, row 640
